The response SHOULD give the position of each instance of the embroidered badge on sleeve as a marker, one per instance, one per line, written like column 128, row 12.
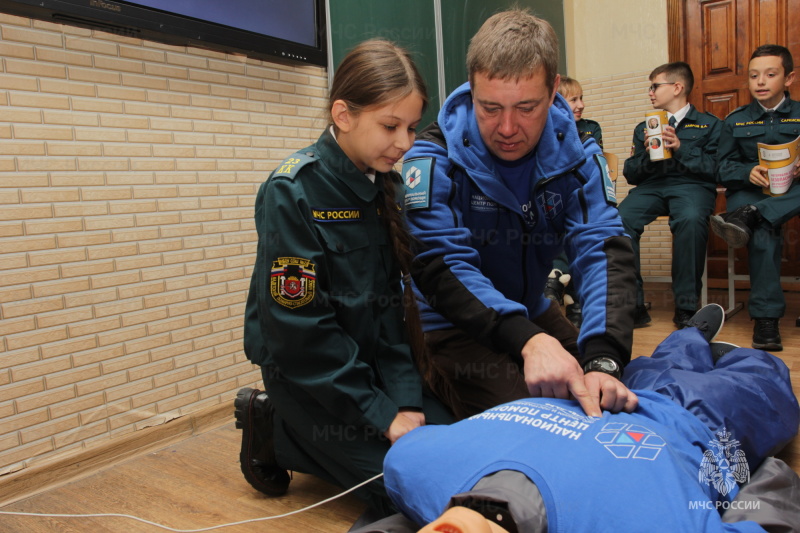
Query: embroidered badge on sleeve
column 418, row 176
column 609, row 185
column 292, row 281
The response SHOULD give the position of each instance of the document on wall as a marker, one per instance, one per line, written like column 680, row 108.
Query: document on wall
column 780, row 160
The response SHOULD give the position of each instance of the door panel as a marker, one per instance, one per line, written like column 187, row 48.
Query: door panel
column 718, row 37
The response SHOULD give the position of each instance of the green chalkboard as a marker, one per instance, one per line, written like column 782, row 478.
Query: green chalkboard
column 409, row 23
column 462, row 18
column 412, row 24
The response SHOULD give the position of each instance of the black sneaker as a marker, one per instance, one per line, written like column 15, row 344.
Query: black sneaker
column 554, row 289
column 718, row 349
column 254, row 416
column 574, row 314
column 682, row 317
column 736, row 228
column 708, row 320
column 641, row 317
column 766, row 335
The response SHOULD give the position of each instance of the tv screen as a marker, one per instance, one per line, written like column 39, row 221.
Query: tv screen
column 288, row 30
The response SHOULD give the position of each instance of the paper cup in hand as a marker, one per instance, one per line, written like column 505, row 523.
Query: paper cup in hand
column 780, row 161
column 654, row 122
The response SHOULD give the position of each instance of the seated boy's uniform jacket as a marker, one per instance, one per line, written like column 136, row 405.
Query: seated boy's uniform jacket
column 743, row 129
column 483, row 263
column 693, row 163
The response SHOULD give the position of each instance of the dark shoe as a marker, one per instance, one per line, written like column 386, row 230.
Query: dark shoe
column 708, row 320
column 766, row 335
column 575, row 314
column 736, row 228
column 681, row 318
column 254, row 416
column 554, row 289
column 641, row 317
column 718, row 349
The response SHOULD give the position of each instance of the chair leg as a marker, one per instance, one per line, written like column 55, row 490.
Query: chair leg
column 704, row 280
column 733, row 307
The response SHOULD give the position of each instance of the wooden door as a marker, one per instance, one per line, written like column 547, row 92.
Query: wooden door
column 716, row 37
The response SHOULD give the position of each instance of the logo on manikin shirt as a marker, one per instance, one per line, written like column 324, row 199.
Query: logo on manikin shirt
column 630, row 441
column 723, row 466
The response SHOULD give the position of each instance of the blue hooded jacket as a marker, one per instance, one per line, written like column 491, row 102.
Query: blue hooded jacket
column 482, row 264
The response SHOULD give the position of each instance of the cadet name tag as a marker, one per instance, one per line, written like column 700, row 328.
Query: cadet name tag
column 350, row 214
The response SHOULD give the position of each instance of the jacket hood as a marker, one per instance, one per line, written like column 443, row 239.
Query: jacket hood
column 559, row 141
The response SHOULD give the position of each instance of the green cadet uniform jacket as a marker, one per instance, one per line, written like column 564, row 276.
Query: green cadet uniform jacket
column 694, row 162
column 324, row 314
column 744, row 128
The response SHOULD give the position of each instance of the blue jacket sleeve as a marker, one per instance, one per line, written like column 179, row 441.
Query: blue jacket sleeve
column 602, row 266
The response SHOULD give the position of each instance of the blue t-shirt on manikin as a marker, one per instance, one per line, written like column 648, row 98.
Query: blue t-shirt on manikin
column 623, row 472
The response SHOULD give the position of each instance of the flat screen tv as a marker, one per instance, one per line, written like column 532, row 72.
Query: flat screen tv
column 289, row 30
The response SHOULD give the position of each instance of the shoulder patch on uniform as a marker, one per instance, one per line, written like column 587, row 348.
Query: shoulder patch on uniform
column 292, row 281
column 292, row 164
column 346, row 214
column 417, row 179
column 609, row 185
column 737, row 110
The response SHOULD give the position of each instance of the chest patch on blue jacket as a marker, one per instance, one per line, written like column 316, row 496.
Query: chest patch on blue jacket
column 417, row 178
column 480, row 203
column 551, row 204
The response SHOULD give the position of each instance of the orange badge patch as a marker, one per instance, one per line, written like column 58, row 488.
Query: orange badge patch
column 292, row 281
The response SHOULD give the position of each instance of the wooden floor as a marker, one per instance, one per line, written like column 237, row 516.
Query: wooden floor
column 197, row 483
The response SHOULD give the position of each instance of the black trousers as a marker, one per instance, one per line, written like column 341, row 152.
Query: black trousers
column 479, row 378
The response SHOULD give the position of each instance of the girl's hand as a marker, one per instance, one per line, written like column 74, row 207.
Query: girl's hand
column 404, row 422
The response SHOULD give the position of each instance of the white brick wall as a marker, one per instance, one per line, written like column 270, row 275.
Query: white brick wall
column 128, row 173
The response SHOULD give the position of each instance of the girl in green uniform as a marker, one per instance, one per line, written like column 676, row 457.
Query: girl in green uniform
column 326, row 317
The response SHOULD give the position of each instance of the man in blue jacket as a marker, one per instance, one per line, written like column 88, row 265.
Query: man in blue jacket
column 494, row 191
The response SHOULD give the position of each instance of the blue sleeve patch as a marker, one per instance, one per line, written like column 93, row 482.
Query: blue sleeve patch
column 417, row 178
column 609, row 184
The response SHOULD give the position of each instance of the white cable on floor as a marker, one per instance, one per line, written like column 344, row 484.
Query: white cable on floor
column 114, row 515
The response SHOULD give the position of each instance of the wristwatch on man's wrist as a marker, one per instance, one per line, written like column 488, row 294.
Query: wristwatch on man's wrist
column 603, row 364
